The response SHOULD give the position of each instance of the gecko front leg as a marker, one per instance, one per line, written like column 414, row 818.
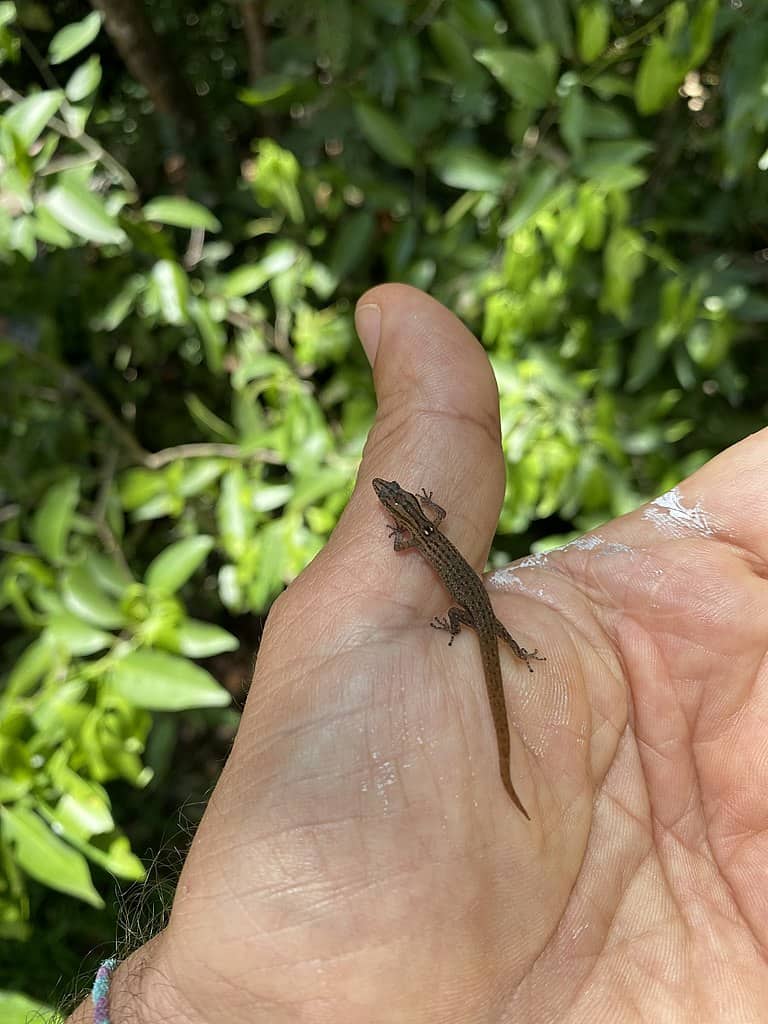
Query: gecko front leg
column 453, row 621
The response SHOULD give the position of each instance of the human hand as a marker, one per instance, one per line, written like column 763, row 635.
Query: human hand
column 360, row 860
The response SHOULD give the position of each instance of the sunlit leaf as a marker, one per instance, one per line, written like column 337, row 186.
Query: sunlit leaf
column 7, row 13
column 267, row 89
column 77, row 636
column 16, row 1008
column 594, row 26
column 163, row 682
column 30, row 668
column 45, row 857
column 171, row 569
column 658, row 77
column 28, row 118
column 81, row 211
column 468, row 167
column 73, row 38
column 84, row 80
column 249, row 279
column 172, row 286
column 212, row 334
column 180, row 212
column 53, row 520
column 86, row 600
column 204, row 639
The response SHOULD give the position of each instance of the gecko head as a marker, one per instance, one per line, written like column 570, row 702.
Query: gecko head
column 385, row 488
column 403, row 505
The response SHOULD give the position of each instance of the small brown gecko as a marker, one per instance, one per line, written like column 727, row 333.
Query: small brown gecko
column 413, row 529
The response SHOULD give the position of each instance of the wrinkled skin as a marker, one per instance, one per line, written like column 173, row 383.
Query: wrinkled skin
column 360, row 860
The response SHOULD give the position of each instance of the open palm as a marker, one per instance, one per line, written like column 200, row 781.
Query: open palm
column 360, row 860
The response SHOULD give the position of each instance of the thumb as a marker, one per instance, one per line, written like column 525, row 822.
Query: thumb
column 437, row 424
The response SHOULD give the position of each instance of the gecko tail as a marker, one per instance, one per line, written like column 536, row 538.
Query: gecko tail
column 507, row 780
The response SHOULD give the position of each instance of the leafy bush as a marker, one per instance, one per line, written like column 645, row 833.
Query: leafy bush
column 184, row 402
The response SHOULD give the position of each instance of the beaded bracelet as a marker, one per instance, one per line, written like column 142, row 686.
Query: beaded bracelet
column 100, row 991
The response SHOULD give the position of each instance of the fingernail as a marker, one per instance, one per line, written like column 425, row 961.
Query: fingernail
column 368, row 324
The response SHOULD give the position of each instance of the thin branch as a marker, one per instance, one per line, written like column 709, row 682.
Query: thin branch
column 209, row 450
column 254, row 34
column 104, row 530
column 194, row 252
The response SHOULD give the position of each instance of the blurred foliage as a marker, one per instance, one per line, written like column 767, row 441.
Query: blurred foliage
column 183, row 402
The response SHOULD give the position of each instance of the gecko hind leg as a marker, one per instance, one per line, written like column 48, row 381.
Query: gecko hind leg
column 520, row 652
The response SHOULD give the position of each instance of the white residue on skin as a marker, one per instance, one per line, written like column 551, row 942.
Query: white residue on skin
column 586, row 543
column 384, row 775
column 594, row 542
column 531, row 561
column 507, row 579
column 671, row 516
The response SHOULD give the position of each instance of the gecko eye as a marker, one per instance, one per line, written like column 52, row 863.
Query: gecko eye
column 427, row 530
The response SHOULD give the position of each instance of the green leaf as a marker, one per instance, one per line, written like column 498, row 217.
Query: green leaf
column 543, row 21
column 249, row 279
column 658, row 77
column 28, row 118
column 50, row 231
column 528, row 76
column 73, row 38
column 163, row 682
column 172, row 285
column 78, row 637
column 45, row 857
column 572, row 121
column 624, row 260
column 610, row 163
column 7, row 13
column 113, row 853
column 267, row 89
column 15, row 1007
column 83, row 808
column 84, row 80
column 535, row 193
column 384, row 135
column 470, row 168
column 53, row 520
column 212, row 333
column 120, row 305
column 203, row 639
column 234, row 513
column 32, row 665
column 108, row 574
column 594, row 26
column 82, row 212
column 454, row 50
column 181, row 213
column 83, row 596
column 200, row 474
column 702, row 31
column 174, row 566
column 137, row 486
